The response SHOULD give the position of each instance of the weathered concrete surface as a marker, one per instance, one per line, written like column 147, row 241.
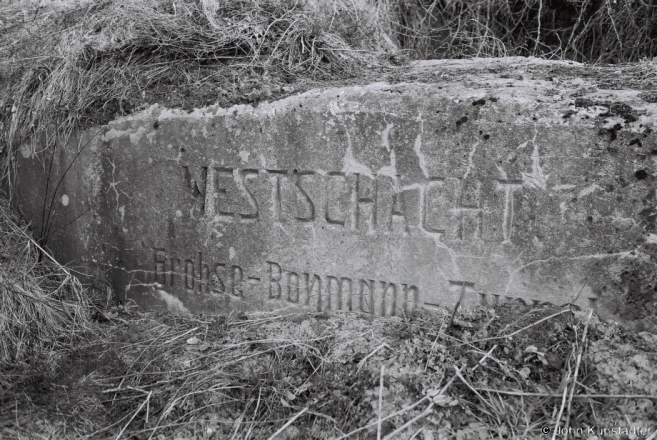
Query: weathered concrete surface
column 379, row 198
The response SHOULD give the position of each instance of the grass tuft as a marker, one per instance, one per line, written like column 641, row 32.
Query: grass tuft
column 74, row 64
column 43, row 307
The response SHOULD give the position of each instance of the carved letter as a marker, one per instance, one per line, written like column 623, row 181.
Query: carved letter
column 426, row 207
column 175, row 270
column 160, row 266
column 197, row 185
column 236, row 281
column 346, row 295
column 189, row 274
column 275, row 276
column 398, row 210
column 459, row 289
column 311, row 206
column 333, row 296
column 412, row 295
column 386, row 303
column 221, row 203
column 203, row 273
column 327, row 213
column 244, row 176
column 363, row 194
column 293, row 287
column 217, row 282
column 365, row 301
column 312, row 299
column 509, row 187
column 276, row 194
column 467, row 211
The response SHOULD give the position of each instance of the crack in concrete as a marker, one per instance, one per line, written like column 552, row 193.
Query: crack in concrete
column 589, row 190
column 390, row 170
column 128, row 271
column 112, row 186
column 562, row 209
column 351, row 166
column 566, row 187
column 417, row 147
column 470, row 161
column 435, row 236
column 385, row 141
column 537, row 178
column 502, row 172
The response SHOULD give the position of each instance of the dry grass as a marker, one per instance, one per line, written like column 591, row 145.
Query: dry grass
column 592, row 31
column 503, row 373
column 70, row 64
column 43, row 308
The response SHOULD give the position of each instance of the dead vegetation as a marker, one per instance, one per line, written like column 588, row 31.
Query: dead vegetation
column 590, row 31
column 74, row 64
column 43, row 307
column 69, row 64
column 501, row 373
column 508, row 373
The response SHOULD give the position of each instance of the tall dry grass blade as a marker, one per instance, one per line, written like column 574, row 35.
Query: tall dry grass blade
column 378, row 427
column 288, row 423
column 565, row 382
column 577, row 363
column 423, row 414
column 43, row 307
column 148, row 398
column 389, row 416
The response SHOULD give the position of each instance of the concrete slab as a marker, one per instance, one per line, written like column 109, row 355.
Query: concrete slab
column 381, row 198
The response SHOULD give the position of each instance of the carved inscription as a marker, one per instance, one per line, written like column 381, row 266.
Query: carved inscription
column 196, row 275
column 319, row 292
column 332, row 292
column 445, row 208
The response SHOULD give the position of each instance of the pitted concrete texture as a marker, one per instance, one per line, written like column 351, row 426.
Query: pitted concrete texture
column 377, row 198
